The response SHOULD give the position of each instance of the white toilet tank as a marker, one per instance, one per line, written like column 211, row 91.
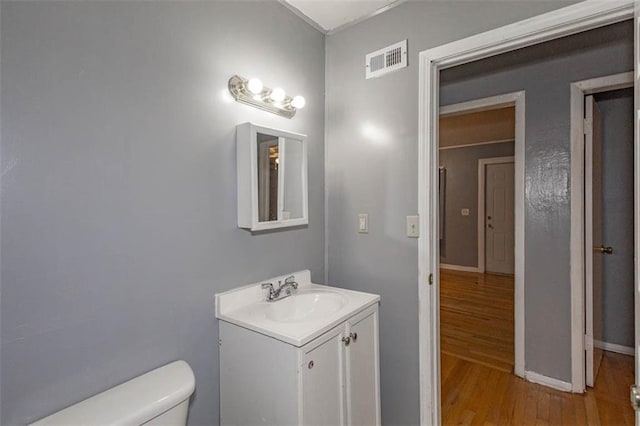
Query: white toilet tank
column 159, row 397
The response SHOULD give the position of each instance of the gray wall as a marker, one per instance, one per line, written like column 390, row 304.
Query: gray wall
column 617, row 185
column 460, row 243
column 545, row 72
column 118, row 187
column 371, row 149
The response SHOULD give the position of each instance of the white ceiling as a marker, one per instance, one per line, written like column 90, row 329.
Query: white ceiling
column 330, row 15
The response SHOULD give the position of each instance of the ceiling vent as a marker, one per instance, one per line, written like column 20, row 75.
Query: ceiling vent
column 386, row 60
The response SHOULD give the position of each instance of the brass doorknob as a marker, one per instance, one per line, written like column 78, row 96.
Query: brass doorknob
column 603, row 249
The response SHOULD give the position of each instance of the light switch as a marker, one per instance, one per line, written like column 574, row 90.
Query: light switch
column 465, row 212
column 413, row 226
column 363, row 223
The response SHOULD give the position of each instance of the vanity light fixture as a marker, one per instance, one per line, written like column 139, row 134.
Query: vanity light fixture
column 253, row 92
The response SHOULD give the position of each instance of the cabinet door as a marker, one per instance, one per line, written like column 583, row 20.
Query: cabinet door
column 323, row 401
column 363, row 379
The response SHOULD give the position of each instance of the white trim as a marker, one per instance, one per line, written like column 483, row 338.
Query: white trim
column 519, row 252
column 467, row 145
column 636, row 202
column 547, row 381
column 572, row 19
column 479, row 105
column 623, row 80
column 577, row 273
column 612, row 347
column 482, row 163
column 459, row 268
column 558, row 23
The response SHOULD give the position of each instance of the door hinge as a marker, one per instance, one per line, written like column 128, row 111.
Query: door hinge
column 635, row 397
column 430, row 279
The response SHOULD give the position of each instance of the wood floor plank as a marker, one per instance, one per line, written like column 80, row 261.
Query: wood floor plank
column 555, row 410
column 542, row 410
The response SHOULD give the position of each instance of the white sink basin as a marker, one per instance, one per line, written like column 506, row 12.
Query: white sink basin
column 312, row 310
column 310, row 305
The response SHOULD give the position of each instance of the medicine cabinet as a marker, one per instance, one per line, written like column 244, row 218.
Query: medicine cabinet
column 272, row 178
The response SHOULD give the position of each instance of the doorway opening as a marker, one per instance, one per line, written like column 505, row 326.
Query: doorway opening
column 479, row 145
column 570, row 20
column 603, row 283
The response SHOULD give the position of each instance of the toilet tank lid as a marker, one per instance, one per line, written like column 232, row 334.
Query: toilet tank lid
column 134, row 402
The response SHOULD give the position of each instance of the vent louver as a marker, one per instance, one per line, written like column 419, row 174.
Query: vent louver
column 386, row 60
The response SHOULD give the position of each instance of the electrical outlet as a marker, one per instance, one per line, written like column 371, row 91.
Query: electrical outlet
column 465, row 212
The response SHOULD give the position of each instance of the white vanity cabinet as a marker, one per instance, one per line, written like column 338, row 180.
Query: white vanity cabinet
column 331, row 380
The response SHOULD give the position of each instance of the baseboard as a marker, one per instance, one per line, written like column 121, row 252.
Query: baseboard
column 459, row 268
column 612, row 347
column 547, row 381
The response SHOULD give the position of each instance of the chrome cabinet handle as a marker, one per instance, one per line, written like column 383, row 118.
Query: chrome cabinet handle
column 354, row 336
column 346, row 340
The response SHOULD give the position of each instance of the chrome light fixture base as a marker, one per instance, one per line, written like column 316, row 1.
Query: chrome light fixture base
column 238, row 87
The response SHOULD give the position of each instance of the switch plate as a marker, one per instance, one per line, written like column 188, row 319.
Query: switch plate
column 363, row 223
column 465, row 212
column 413, row 226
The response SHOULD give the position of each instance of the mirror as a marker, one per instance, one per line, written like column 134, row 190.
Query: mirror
column 268, row 161
column 272, row 178
column 272, row 169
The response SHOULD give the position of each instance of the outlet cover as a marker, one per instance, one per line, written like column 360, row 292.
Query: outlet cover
column 363, row 223
column 413, row 226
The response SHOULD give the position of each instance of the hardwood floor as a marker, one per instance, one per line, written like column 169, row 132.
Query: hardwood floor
column 476, row 318
column 473, row 394
column 476, row 332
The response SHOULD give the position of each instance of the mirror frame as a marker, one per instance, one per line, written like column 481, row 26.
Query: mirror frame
column 247, row 169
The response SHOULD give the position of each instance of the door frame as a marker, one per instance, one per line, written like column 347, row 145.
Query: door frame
column 516, row 100
column 559, row 23
column 519, row 246
column 579, row 90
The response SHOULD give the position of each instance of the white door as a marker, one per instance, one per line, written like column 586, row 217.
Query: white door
column 323, row 392
column 593, row 239
column 363, row 387
column 499, row 218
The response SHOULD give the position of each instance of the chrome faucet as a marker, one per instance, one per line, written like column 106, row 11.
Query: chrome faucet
column 283, row 290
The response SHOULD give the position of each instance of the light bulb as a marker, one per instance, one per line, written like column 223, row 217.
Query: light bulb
column 255, row 86
column 277, row 95
column 298, row 102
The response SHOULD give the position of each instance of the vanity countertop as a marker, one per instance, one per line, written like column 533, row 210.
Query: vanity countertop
column 311, row 311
